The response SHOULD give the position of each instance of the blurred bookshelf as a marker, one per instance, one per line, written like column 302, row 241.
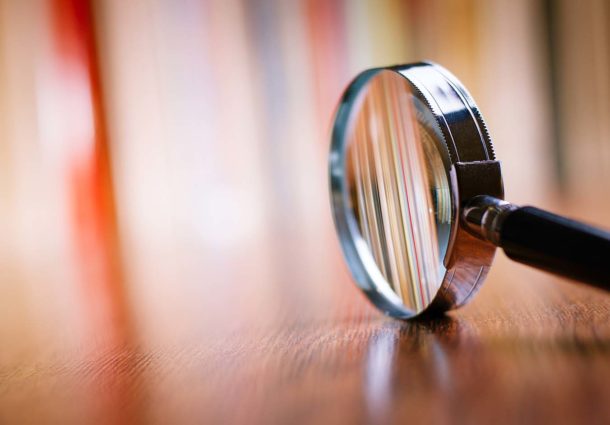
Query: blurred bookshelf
column 210, row 130
column 579, row 40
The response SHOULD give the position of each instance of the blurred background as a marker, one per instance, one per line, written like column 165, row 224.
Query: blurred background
column 163, row 163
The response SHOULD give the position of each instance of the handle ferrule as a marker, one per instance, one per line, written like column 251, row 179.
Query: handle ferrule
column 484, row 215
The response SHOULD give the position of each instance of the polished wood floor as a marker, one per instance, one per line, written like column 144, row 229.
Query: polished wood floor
column 232, row 339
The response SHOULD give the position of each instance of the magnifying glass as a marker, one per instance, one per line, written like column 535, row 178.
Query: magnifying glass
column 417, row 197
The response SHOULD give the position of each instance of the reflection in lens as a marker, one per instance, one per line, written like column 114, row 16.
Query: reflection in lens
column 399, row 189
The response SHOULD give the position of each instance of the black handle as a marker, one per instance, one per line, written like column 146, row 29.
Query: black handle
column 558, row 245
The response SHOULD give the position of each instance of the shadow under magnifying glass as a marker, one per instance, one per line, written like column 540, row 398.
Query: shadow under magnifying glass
column 446, row 370
column 410, row 368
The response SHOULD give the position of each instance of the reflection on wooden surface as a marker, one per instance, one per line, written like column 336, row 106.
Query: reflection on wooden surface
column 530, row 348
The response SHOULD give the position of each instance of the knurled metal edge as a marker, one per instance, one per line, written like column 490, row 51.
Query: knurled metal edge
column 469, row 101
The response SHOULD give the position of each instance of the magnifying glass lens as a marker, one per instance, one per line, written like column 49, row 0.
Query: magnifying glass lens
column 397, row 179
column 418, row 198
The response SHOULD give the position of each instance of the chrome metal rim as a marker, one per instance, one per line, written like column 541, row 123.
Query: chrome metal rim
column 471, row 170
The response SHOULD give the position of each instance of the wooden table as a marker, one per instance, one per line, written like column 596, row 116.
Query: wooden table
column 269, row 335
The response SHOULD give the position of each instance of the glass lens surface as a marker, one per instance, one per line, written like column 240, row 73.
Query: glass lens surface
column 396, row 171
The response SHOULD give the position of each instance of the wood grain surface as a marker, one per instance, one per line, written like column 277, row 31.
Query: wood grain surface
column 530, row 348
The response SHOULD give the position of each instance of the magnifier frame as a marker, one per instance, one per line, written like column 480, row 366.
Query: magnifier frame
column 473, row 172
